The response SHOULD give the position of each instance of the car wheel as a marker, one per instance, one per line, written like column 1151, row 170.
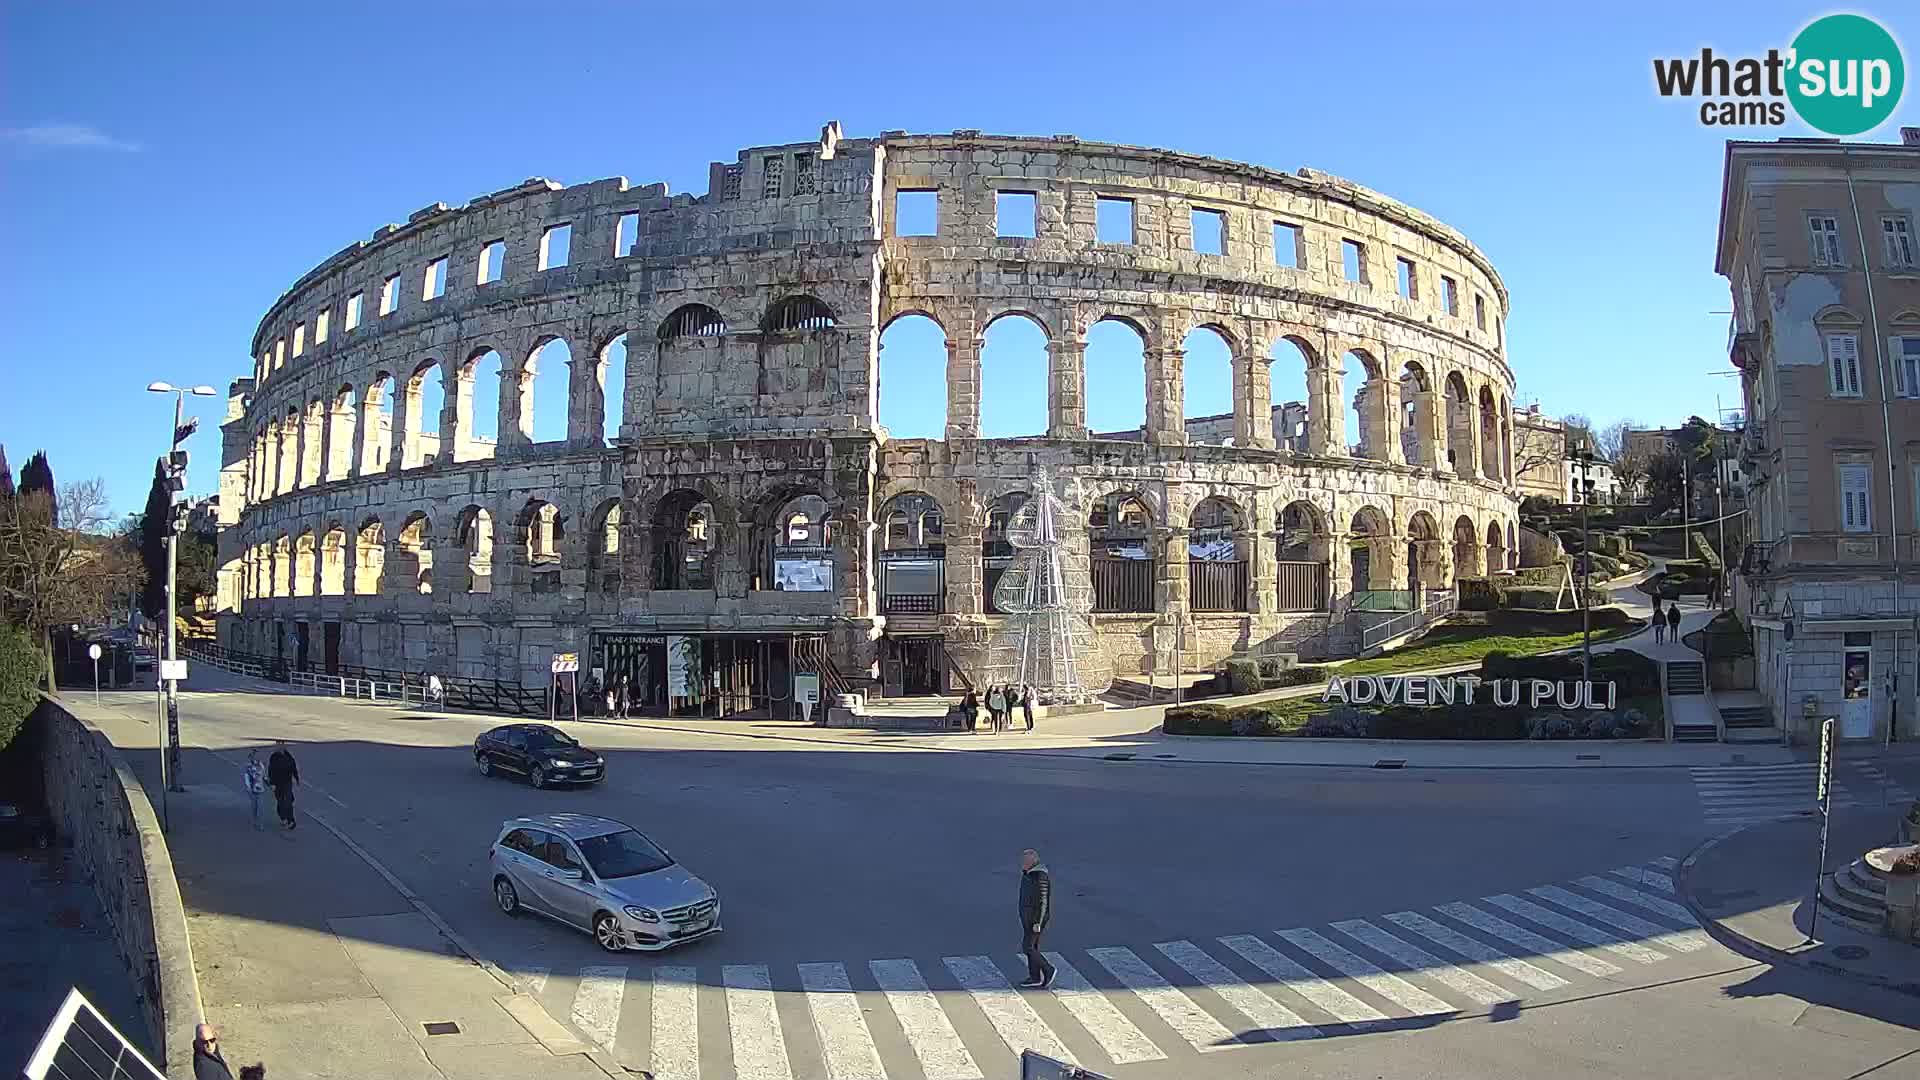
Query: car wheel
column 505, row 896
column 485, row 763
column 606, row 931
column 538, row 777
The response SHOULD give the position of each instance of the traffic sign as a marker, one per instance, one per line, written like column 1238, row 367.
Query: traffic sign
column 173, row 670
column 93, row 651
column 1828, row 730
column 564, row 662
column 806, row 693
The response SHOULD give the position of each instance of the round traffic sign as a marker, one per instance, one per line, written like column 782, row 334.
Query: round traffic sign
column 94, row 650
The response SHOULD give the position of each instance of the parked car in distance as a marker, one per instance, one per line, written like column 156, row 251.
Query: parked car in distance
column 142, row 658
column 601, row 876
column 19, row 828
column 542, row 753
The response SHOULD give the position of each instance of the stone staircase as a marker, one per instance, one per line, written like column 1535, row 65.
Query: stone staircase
column 1748, row 723
column 1688, row 678
column 1855, row 894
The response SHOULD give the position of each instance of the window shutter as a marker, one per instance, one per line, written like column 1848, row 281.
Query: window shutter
column 1896, row 348
column 1843, row 363
column 1851, row 348
column 1854, row 515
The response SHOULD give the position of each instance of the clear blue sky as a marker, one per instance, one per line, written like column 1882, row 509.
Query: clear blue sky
column 169, row 170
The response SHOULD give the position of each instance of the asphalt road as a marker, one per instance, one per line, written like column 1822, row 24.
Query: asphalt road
column 824, row 855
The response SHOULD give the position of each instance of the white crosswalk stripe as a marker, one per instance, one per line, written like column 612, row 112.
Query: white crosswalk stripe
column 1651, row 878
column 1117, row 1035
column 1641, row 929
column 596, row 1002
column 1336, row 1002
column 1656, row 904
column 1006, row 1010
column 675, row 1050
column 845, row 1041
column 1456, row 942
column 1368, row 974
column 1577, row 930
column 759, row 1048
column 1414, row 958
column 1186, row 1018
column 1749, row 794
column 942, row 1055
column 1279, row 1022
column 1533, row 943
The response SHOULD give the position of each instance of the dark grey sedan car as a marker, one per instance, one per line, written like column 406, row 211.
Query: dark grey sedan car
column 598, row 875
column 542, row 753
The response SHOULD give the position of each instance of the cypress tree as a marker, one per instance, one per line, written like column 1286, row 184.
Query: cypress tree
column 153, row 544
column 37, row 475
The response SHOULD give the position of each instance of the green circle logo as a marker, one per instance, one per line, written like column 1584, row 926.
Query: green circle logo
column 1847, row 74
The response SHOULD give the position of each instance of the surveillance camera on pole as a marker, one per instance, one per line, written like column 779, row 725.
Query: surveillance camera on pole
column 172, row 669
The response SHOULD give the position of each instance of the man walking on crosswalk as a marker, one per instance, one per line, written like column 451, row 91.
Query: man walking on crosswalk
column 1036, row 908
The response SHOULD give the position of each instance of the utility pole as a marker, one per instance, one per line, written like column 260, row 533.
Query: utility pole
column 175, row 467
column 1583, row 461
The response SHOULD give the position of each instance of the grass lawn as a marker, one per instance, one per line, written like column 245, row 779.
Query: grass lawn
column 1468, row 644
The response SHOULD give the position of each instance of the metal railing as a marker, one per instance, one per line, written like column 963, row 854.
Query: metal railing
column 1388, row 629
column 1301, row 586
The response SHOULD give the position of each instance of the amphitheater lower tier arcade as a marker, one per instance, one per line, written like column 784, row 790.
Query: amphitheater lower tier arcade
column 751, row 510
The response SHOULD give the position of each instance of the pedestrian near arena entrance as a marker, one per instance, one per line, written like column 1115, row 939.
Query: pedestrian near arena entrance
column 1673, row 622
column 282, row 774
column 1659, row 622
column 255, row 776
column 970, row 711
column 1036, row 910
column 208, row 1062
column 623, row 697
column 1026, row 705
column 997, row 708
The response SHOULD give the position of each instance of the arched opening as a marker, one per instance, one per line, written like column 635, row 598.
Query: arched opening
column 996, row 552
column 611, row 375
column 289, row 471
column 1513, row 547
column 541, row 533
column 1496, row 549
column 1426, row 562
column 340, row 429
column 603, row 553
column 1305, row 548
column 692, row 346
column 480, row 379
column 913, row 378
column 312, row 449
column 1415, row 420
column 333, row 562
column 797, row 314
column 476, row 537
column 1489, row 437
column 683, row 542
column 376, row 423
column 303, row 556
column 283, row 566
column 545, row 400
column 1506, row 439
column 692, row 321
column 913, row 556
column 1466, row 549
column 1366, row 430
column 1370, row 558
column 796, row 547
column 1207, row 386
column 1216, row 557
column 1120, row 553
column 1459, row 425
column 1292, row 357
column 424, row 398
column 1116, row 375
column 1013, row 379
column 414, row 554
column 370, row 559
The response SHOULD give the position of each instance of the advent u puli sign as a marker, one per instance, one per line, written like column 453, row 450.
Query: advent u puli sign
column 1460, row 689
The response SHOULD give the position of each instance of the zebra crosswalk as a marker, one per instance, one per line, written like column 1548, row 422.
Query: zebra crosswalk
column 963, row 1017
column 1734, row 795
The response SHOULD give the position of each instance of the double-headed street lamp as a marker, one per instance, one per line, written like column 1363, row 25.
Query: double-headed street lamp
column 174, row 465
column 1583, row 461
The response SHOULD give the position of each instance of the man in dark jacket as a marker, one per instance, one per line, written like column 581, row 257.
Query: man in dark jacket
column 207, row 1062
column 1036, row 909
column 282, row 773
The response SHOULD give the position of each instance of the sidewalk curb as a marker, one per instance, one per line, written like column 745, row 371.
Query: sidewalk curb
column 1756, row 950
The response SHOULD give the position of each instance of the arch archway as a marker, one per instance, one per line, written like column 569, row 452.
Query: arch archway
column 376, row 424
column 1013, row 378
column 1292, row 398
column 424, row 399
column 1120, row 553
column 1366, row 423
column 1459, row 425
column 1496, row 549
column 479, row 405
column 1369, row 555
column 283, row 565
column 1305, row 548
column 1415, row 423
column 684, row 541
column 1426, row 559
column 1207, row 386
column 341, row 422
column 1116, row 375
column 996, row 552
column 1217, row 556
column 546, row 398
column 913, row 378
column 414, row 553
column 370, row 558
column 604, row 570
column 913, row 557
column 799, row 314
column 333, row 562
column 610, row 376
column 1466, row 549
column 796, row 540
column 476, row 537
column 1490, row 458
column 303, row 564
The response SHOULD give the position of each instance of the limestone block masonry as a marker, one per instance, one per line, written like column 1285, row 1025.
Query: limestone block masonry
column 752, row 494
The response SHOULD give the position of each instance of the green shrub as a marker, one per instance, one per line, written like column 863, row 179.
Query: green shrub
column 1243, row 676
column 21, row 666
column 1196, row 720
column 1305, row 675
column 1530, row 597
column 1270, row 669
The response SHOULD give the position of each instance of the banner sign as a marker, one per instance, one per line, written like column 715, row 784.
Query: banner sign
column 1421, row 690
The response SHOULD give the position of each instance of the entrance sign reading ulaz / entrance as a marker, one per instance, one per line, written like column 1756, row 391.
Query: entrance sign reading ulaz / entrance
column 806, row 693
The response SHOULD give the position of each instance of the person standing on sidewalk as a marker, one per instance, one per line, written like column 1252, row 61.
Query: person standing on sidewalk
column 1659, row 622
column 1026, row 705
column 283, row 773
column 255, row 776
column 1036, row 910
column 208, row 1064
column 1673, row 623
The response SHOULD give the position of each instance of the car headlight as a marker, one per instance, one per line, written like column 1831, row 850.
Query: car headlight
column 643, row 914
column 556, row 763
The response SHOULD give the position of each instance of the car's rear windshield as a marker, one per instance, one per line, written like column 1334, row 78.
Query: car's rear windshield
column 538, row 737
column 622, row 854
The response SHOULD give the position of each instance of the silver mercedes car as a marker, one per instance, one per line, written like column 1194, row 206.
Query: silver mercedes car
column 598, row 875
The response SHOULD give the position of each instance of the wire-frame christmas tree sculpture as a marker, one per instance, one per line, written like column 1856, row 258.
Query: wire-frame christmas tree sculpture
column 1046, row 640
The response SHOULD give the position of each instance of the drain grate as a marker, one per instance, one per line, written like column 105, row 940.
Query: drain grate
column 441, row 1027
column 1391, row 763
column 1849, row 952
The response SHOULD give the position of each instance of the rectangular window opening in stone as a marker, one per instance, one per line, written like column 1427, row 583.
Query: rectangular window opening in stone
column 626, row 233
column 1449, row 295
column 299, row 339
column 555, row 245
column 1353, row 260
column 390, row 295
column 1899, row 237
column 1013, row 213
column 773, row 169
column 1209, row 232
column 1286, row 245
column 1406, row 278
column 1480, row 311
column 1843, row 364
column 1113, row 220
column 493, row 262
column 803, row 174
column 279, row 353
column 434, row 286
column 321, row 323
column 1823, row 234
column 730, row 183
column 1856, row 493
column 354, row 303
column 916, row 213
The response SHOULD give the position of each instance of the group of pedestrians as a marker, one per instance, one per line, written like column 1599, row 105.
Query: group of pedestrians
column 1666, row 621
column 1001, row 700
column 280, row 773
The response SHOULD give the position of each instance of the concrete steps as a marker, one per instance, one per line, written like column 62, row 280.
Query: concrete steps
column 1686, row 677
column 1855, row 894
column 1748, row 724
column 1696, row 733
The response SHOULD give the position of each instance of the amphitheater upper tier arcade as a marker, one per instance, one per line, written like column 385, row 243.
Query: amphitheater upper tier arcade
column 399, row 491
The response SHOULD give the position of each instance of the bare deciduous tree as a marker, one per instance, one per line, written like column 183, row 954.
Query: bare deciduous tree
column 64, row 567
column 1610, row 442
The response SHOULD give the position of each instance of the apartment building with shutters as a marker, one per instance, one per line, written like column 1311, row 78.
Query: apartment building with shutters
column 1817, row 242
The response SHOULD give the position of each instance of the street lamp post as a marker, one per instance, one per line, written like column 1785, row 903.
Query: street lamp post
column 1583, row 461
column 176, row 473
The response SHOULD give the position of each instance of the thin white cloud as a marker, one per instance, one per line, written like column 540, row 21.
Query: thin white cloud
column 66, row 137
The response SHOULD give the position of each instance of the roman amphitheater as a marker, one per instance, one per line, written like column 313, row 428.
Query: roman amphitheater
column 389, row 501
